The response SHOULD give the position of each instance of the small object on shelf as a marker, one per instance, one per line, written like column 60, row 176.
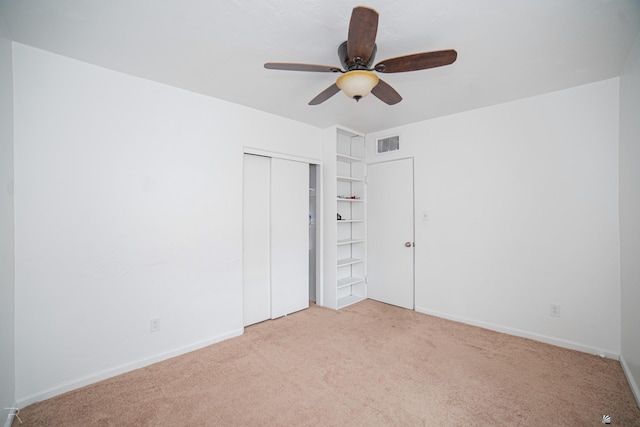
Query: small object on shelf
column 339, row 217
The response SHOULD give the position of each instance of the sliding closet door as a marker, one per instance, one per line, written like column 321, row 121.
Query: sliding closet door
column 289, row 237
column 256, row 240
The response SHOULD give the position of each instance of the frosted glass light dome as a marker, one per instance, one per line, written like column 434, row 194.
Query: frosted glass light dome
column 357, row 84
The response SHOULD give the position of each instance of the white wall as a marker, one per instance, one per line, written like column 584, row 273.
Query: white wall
column 128, row 207
column 522, row 212
column 630, row 216
column 7, row 346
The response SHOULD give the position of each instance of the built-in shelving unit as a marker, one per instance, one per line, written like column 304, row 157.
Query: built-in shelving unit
column 344, row 248
column 350, row 173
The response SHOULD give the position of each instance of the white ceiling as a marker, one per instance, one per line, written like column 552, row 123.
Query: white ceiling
column 507, row 49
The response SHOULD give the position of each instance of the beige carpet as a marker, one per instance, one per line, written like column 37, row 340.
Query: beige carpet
column 370, row 364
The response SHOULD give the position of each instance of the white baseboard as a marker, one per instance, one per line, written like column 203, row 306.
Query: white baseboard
column 630, row 379
column 11, row 415
column 103, row 375
column 524, row 334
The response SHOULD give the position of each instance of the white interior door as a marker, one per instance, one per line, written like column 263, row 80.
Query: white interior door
column 289, row 236
column 256, row 240
column 390, row 232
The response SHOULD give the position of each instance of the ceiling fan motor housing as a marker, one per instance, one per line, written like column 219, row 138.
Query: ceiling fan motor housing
column 350, row 64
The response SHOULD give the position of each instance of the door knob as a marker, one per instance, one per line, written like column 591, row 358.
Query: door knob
column 408, row 244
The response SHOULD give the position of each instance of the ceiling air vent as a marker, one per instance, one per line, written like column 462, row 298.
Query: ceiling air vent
column 391, row 143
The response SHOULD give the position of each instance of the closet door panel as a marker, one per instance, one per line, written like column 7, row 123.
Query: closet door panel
column 289, row 237
column 256, row 241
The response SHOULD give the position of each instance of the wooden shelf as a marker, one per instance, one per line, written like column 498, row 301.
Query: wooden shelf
column 350, row 220
column 348, row 300
column 340, row 199
column 347, row 159
column 349, row 179
column 348, row 281
column 349, row 261
column 349, row 241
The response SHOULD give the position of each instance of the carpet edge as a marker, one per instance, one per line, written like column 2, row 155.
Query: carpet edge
column 632, row 382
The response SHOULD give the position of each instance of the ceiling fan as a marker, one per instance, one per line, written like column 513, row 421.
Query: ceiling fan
column 357, row 54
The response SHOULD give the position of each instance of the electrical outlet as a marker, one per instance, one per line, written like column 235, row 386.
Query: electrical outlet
column 155, row 324
column 554, row 310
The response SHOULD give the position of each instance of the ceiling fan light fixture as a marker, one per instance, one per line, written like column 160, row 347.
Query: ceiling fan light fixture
column 357, row 84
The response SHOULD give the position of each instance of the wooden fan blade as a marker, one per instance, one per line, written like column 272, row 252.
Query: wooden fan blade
column 385, row 93
column 325, row 94
column 290, row 66
column 363, row 28
column 417, row 61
